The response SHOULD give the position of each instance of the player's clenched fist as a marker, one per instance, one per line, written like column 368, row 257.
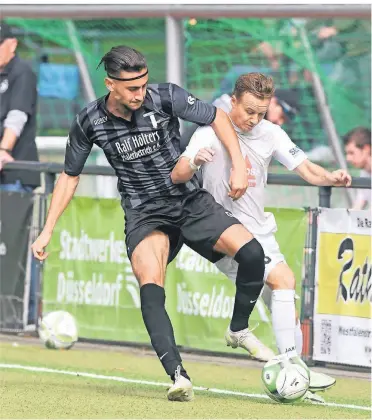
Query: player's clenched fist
column 40, row 244
column 238, row 181
column 341, row 178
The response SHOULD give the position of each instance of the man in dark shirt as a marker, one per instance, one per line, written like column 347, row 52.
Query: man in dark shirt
column 137, row 127
column 17, row 115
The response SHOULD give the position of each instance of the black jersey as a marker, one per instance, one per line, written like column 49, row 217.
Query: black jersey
column 142, row 151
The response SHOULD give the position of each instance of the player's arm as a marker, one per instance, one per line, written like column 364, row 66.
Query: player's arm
column 294, row 159
column 198, row 152
column 316, row 175
column 77, row 150
column 189, row 108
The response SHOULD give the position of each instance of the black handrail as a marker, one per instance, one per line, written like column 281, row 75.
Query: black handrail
column 51, row 169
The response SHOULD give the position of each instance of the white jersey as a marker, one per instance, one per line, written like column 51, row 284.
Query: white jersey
column 258, row 146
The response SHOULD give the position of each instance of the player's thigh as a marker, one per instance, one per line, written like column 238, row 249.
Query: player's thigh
column 149, row 258
column 204, row 222
column 232, row 239
column 159, row 215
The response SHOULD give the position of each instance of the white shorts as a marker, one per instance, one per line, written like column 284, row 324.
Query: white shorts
column 273, row 256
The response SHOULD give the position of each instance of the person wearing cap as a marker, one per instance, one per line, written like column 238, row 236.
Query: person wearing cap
column 18, row 95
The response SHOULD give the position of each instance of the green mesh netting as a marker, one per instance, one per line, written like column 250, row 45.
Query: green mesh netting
column 217, row 52
column 51, row 40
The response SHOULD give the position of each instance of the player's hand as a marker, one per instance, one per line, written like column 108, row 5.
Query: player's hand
column 203, row 156
column 238, row 181
column 38, row 246
column 340, row 178
column 5, row 157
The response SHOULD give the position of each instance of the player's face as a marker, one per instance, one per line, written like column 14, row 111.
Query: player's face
column 248, row 110
column 356, row 156
column 7, row 50
column 129, row 94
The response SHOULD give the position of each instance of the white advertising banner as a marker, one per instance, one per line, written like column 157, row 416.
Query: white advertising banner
column 343, row 288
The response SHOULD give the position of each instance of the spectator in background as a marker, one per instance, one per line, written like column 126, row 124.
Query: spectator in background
column 18, row 96
column 353, row 69
column 358, row 153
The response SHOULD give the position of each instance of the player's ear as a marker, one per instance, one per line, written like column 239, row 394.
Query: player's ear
column 109, row 84
column 234, row 101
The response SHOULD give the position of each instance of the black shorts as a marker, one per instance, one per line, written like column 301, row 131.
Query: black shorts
column 195, row 219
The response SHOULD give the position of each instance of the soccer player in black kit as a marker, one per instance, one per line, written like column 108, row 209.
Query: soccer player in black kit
column 137, row 127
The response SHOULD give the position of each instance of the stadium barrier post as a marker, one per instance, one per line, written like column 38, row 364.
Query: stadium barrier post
column 308, row 286
column 325, row 196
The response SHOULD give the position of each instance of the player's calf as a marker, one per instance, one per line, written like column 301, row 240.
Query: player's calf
column 249, row 282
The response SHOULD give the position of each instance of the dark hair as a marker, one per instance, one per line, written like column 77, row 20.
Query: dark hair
column 258, row 84
column 360, row 136
column 123, row 58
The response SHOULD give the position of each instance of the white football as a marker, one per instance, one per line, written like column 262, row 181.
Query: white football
column 58, row 330
column 285, row 380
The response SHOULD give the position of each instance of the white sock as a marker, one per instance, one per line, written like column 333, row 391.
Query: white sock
column 284, row 321
column 299, row 338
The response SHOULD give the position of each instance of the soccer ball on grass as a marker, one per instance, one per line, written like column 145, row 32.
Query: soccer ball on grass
column 285, row 380
column 58, row 330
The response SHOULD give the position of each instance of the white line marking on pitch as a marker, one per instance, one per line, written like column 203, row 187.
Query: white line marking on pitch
column 162, row 384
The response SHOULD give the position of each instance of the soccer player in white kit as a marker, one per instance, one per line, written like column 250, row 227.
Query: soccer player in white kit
column 260, row 141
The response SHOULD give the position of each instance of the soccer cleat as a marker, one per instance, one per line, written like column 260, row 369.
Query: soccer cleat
column 320, row 381
column 181, row 390
column 309, row 397
column 248, row 341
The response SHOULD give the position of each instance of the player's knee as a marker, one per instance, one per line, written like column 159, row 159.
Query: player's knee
column 251, row 259
column 281, row 277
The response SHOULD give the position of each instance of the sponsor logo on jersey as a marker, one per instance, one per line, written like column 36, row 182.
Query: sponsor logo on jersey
column 135, row 147
column 252, row 172
column 191, row 100
column 100, row 120
column 294, row 151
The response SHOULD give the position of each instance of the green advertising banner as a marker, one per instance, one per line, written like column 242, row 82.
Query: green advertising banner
column 89, row 275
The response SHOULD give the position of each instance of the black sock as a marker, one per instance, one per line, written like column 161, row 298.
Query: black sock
column 249, row 282
column 160, row 329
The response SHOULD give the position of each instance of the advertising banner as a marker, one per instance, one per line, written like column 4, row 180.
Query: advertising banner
column 343, row 293
column 15, row 220
column 88, row 274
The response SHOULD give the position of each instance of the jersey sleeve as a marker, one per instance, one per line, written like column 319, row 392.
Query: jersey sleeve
column 286, row 152
column 203, row 137
column 78, row 148
column 187, row 107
